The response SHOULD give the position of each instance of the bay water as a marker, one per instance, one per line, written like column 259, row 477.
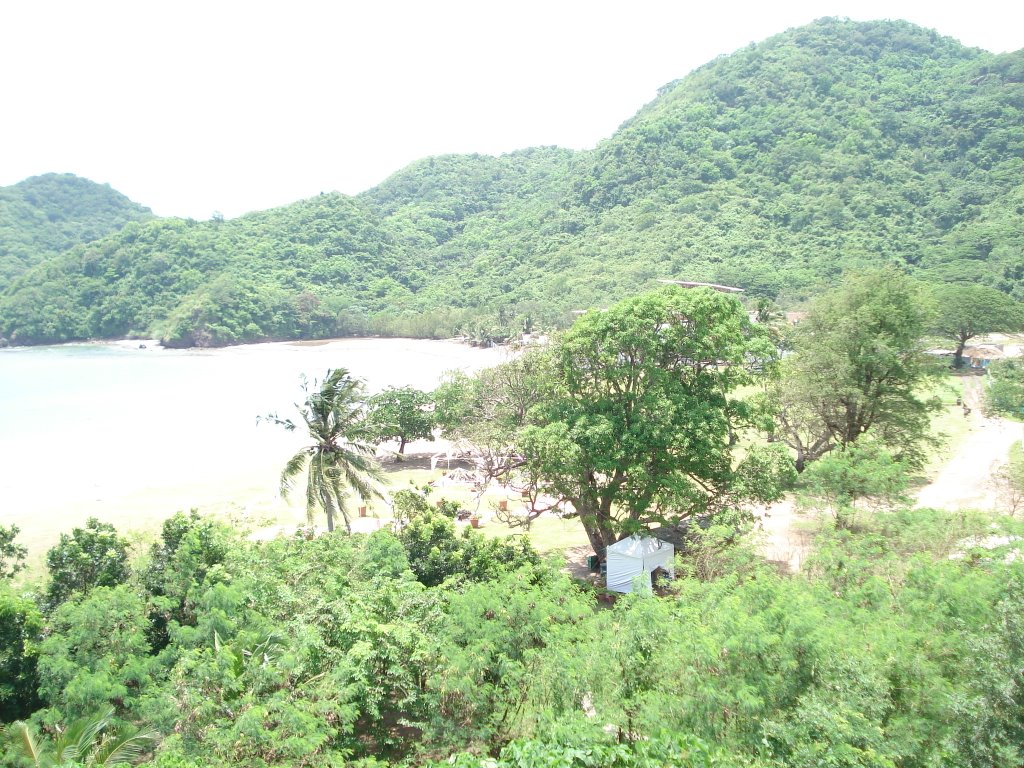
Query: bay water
column 131, row 434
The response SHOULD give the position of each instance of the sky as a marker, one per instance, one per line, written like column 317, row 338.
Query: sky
column 192, row 108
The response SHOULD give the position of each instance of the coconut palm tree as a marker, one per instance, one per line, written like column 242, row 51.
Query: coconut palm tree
column 88, row 741
column 340, row 459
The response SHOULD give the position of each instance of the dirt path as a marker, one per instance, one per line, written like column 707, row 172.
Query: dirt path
column 787, row 538
column 967, row 481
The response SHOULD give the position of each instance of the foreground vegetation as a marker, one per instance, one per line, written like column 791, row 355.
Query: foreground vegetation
column 383, row 648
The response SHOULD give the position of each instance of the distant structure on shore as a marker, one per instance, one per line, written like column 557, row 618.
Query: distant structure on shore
column 713, row 286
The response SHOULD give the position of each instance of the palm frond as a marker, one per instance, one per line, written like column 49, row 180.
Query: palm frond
column 125, row 747
column 364, row 487
column 78, row 739
column 314, row 481
column 24, row 740
column 273, row 418
column 291, row 470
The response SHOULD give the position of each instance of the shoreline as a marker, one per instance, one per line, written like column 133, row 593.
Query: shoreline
column 131, row 343
column 140, row 436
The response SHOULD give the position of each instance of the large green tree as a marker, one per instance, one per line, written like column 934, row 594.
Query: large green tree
column 97, row 653
column 632, row 417
column 340, row 459
column 857, row 368
column 400, row 414
column 962, row 312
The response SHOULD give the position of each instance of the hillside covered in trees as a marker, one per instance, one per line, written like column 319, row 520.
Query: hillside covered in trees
column 836, row 145
column 44, row 216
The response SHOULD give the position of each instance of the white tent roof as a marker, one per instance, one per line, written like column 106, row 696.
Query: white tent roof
column 639, row 546
column 637, row 556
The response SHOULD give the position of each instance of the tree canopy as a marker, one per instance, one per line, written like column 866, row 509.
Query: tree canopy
column 627, row 422
column 12, row 555
column 44, row 216
column 857, row 368
column 962, row 312
column 93, row 556
column 894, row 647
column 400, row 414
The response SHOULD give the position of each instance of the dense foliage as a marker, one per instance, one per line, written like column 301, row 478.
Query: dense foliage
column 44, row 216
column 12, row 554
column 964, row 312
column 400, row 414
column 1004, row 392
column 93, row 556
column 856, row 370
column 833, row 146
column 900, row 644
column 629, row 419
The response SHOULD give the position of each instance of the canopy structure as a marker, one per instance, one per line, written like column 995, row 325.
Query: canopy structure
column 713, row 286
column 637, row 556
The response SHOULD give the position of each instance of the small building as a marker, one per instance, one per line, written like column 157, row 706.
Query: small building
column 981, row 355
column 637, row 556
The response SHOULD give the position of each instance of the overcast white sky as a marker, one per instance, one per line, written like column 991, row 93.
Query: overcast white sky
column 195, row 107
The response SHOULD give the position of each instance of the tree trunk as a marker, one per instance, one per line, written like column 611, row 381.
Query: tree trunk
column 401, row 446
column 600, row 536
column 958, row 356
column 328, row 505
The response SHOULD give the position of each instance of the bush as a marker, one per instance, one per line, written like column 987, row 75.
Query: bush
column 1005, row 392
column 94, row 556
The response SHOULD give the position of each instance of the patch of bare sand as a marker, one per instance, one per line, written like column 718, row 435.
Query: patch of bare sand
column 787, row 535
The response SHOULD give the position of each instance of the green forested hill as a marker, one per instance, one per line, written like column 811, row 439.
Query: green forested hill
column 45, row 215
column 826, row 147
column 831, row 146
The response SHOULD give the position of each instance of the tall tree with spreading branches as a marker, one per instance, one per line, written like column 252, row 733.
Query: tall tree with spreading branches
column 857, row 369
column 964, row 312
column 400, row 414
column 629, row 420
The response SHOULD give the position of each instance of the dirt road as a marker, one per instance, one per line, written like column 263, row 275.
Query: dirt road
column 967, row 481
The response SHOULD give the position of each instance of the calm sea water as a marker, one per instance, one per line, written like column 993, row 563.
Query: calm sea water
column 87, row 427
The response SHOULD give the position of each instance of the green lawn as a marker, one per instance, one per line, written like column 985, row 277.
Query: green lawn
column 547, row 534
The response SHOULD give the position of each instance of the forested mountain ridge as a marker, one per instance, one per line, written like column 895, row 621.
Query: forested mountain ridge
column 831, row 146
column 43, row 216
